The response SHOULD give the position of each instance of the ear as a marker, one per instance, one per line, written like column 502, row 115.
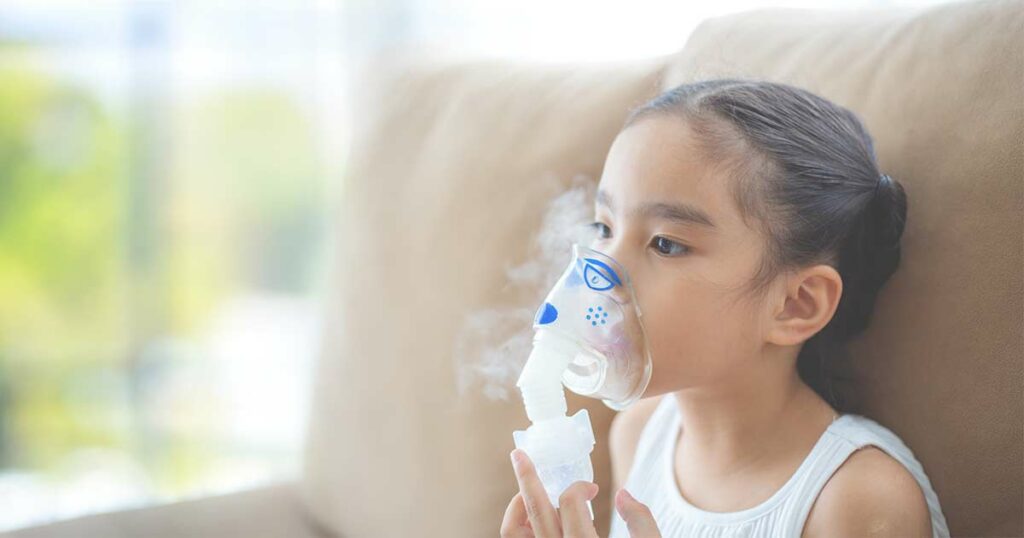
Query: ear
column 810, row 298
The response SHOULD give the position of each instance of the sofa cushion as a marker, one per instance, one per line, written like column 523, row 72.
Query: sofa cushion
column 452, row 167
column 941, row 89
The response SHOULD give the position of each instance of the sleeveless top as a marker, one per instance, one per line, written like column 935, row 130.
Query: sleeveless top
column 652, row 481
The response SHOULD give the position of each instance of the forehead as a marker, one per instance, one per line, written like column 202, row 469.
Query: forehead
column 659, row 159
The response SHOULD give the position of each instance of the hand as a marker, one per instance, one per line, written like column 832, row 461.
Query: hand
column 531, row 515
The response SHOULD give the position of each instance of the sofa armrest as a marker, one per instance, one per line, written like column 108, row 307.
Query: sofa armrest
column 269, row 511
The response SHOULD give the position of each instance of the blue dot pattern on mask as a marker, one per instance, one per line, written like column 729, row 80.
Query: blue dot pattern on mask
column 594, row 317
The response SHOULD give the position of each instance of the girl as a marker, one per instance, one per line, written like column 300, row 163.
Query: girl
column 757, row 229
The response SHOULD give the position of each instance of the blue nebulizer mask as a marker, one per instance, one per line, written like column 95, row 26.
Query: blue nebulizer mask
column 588, row 337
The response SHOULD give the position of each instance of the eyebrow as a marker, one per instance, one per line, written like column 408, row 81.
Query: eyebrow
column 682, row 213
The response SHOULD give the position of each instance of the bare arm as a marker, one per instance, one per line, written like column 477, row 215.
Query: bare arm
column 871, row 494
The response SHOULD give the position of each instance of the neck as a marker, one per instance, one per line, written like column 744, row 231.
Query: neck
column 732, row 425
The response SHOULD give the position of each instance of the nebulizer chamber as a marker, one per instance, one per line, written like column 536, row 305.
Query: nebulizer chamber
column 588, row 336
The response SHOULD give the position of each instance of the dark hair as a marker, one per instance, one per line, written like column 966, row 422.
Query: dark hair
column 804, row 169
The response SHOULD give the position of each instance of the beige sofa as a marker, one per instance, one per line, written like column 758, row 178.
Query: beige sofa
column 451, row 170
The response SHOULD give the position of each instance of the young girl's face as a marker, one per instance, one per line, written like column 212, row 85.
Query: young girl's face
column 668, row 217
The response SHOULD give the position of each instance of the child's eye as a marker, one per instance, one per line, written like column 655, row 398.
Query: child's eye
column 602, row 230
column 668, row 247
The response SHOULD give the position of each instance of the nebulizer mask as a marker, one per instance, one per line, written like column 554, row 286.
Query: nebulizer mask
column 588, row 337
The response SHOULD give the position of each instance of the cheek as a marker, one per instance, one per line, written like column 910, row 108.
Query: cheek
column 696, row 334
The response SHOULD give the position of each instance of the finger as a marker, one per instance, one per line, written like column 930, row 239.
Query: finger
column 572, row 508
column 541, row 514
column 637, row 516
column 515, row 524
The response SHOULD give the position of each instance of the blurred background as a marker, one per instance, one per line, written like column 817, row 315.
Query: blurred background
column 168, row 172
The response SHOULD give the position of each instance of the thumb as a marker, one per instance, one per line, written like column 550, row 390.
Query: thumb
column 637, row 516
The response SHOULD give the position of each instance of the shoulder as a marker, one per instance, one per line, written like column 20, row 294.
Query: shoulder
column 871, row 494
column 624, row 434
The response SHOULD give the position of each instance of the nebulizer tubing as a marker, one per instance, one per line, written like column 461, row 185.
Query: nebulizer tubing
column 588, row 338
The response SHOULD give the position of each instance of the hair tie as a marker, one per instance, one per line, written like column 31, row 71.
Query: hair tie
column 882, row 179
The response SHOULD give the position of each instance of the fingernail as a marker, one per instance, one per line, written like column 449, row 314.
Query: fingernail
column 628, row 496
column 517, row 459
column 594, row 488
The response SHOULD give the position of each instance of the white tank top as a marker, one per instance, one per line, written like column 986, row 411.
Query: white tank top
column 652, row 481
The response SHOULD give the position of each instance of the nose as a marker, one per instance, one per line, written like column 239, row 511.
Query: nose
column 626, row 263
column 617, row 251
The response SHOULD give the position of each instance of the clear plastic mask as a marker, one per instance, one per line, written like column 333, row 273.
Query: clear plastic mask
column 593, row 304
